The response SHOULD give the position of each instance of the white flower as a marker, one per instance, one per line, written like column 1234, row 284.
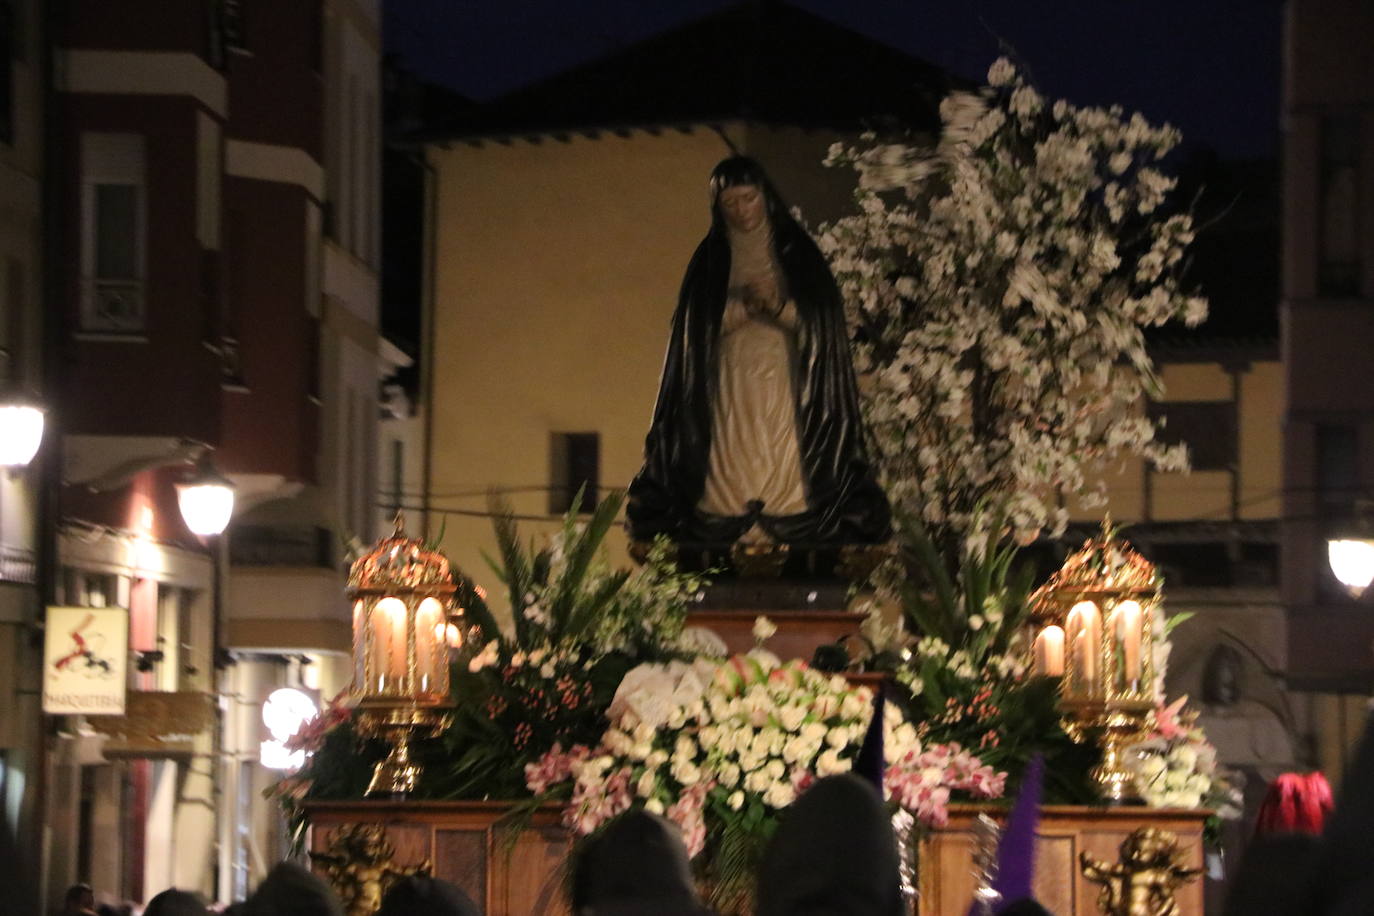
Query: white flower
column 1001, row 73
column 829, row 763
column 736, row 800
column 779, row 795
column 654, row 806
column 763, row 628
column 488, row 656
column 790, row 717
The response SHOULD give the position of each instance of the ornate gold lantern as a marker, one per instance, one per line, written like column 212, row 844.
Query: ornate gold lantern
column 1094, row 621
column 401, row 594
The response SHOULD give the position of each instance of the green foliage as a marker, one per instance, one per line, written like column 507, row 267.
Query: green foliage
column 965, row 678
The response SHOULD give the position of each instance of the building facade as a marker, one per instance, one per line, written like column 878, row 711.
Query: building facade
column 217, row 166
column 1328, row 334
column 23, row 123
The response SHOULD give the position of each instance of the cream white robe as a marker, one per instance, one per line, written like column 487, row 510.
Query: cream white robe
column 754, row 451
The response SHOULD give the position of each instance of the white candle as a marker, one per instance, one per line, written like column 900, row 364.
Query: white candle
column 1127, row 631
column 1084, row 627
column 429, row 622
column 390, row 632
column 1049, row 652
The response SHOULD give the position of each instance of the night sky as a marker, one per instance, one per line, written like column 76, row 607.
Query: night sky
column 1210, row 67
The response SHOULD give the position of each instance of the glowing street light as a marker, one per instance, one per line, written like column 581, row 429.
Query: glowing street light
column 1352, row 560
column 206, row 499
column 21, row 429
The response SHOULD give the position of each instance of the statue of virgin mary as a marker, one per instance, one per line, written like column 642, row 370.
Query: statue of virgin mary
column 756, row 435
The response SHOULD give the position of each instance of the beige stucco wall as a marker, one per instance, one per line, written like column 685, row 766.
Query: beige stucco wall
column 556, row 273
column 1206, row 495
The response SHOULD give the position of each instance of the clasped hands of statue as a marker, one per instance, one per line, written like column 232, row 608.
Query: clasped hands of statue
column 760, row 301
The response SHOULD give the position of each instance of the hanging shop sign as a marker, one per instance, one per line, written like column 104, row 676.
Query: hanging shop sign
column 85, row 661
column 158, row 724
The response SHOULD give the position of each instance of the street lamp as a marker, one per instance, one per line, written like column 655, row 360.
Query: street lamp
column 21, row 429
column 1352, row 560
column 206, row 499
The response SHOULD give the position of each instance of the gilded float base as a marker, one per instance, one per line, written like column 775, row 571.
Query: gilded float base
column 397, row 775
column 1119, row 724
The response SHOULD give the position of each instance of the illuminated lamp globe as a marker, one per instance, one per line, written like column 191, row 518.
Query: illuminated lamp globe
column 21, row 430
column 286, row 710
column 1352, row 560
column 206, row 499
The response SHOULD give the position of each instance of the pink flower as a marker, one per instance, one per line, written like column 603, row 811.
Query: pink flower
column 688, row 813
column 1166, row 718
column 922, row 782
column 554, row 767
column 597, row 800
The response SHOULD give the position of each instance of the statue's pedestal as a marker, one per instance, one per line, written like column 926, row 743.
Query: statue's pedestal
column 946, row 856
column 798, row 634
column 522, row 875
column 807, row 614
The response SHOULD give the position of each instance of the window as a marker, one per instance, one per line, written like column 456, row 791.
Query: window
column 1208, row 428
column 315, row 41
column 234, row 25
column 575, row 463
column 1337, row 460
column 112, row 256
column 1336, row 481
column 12, row 322
column 214, row 35
column 398, row 470
column 176, row 638
column 10, row 47
column 1338, row 268
column 83, row 588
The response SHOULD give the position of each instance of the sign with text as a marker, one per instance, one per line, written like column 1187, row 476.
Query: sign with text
column 85, row 661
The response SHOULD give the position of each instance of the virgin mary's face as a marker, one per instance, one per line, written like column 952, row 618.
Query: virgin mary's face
column 743, row 207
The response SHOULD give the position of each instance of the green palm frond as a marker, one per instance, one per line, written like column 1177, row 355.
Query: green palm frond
column 513, row 569
column 580, row 549
column 475, row 608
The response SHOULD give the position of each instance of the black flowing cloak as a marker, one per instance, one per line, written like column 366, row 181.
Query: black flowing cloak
column 845, row 503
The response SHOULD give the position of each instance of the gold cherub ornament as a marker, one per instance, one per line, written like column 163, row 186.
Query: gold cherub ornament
column 1143, row 882
column 359, row 867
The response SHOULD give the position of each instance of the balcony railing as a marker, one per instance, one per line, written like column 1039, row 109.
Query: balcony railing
column 112, row 306
column 18, row 564
column 282, row 545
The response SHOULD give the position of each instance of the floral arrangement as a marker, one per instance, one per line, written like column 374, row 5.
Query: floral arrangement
column 997, row 286
column 964, row 678
column 1176, row 766
column 721, row 747
column 578, row 625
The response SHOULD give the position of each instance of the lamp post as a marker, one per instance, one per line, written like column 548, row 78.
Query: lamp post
column 401, row 593
column 1094, row 619
column 21, row 429
column 206, row 500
